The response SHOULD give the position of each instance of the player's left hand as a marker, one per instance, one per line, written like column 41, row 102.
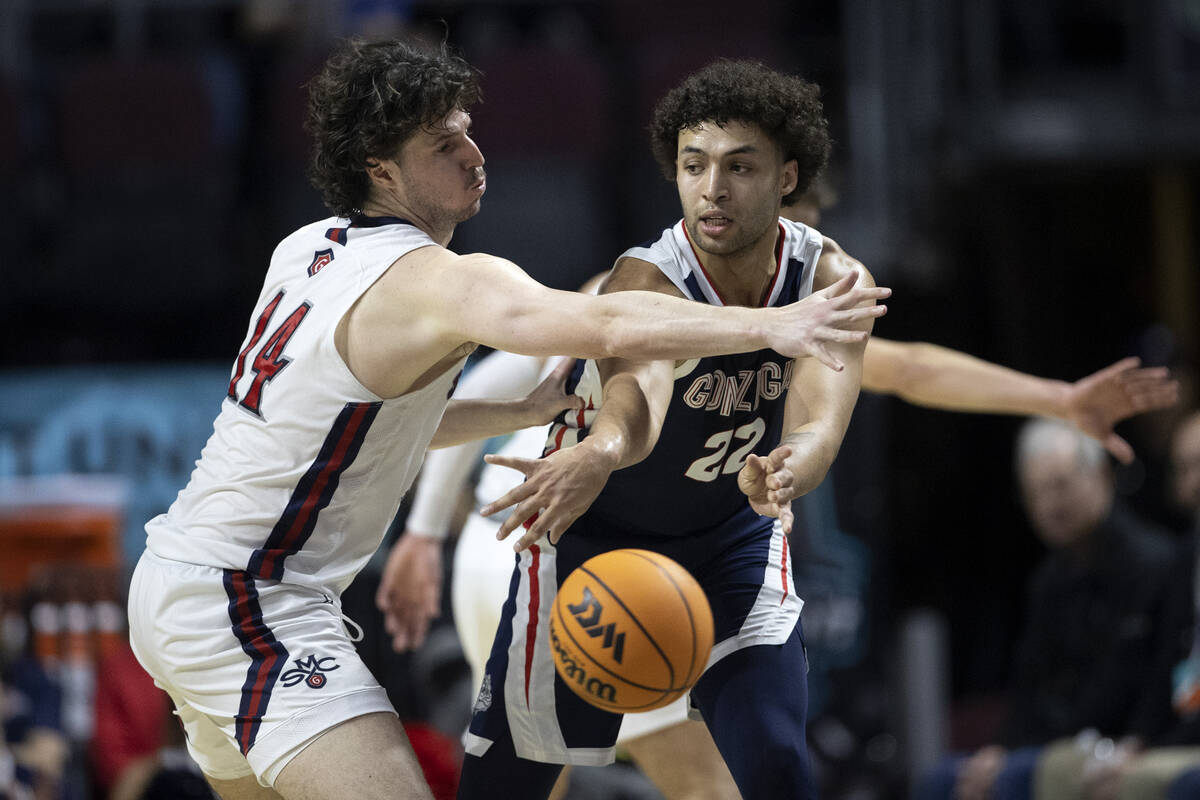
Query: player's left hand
column 557, row 490
column 768, row 484
column 1098, row 402
column 410, row 589
column 549, row 398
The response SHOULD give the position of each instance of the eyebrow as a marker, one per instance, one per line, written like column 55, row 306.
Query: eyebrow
column 737, row 151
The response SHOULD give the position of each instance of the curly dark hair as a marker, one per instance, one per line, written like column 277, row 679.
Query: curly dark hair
column 786, row 107
column 365, row 103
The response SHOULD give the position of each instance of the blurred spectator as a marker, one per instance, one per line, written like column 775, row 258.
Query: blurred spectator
column 131, row 717
column 1096, row 606
column 34, row 750
column 1165, row 739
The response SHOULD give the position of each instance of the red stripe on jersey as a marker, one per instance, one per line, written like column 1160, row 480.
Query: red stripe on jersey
column 707, row 277
column 766, row 298
column 316, row 492
column 783, row 569
column 531, row 626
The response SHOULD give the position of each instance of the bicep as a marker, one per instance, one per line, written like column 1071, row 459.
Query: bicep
column 492, row 301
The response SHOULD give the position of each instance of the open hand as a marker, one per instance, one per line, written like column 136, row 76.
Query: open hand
column 557, row 490
column 823, row 317
column 1098, row 402
column 410, row 590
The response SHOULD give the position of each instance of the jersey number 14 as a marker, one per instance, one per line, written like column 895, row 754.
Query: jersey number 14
column 270, row 359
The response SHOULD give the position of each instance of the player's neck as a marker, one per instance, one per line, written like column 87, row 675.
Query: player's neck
column 438, row 231
column 742, row 278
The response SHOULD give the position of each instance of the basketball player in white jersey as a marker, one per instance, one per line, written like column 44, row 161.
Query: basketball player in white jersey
column 353, row 347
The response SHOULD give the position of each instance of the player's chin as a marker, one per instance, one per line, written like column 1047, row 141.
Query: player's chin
column 471, row 210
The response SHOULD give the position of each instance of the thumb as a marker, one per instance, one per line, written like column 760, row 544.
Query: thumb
column 1120, row 449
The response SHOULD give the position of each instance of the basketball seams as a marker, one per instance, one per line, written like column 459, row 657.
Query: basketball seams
column 662, row 654
column 576, row 656
column 682, row 596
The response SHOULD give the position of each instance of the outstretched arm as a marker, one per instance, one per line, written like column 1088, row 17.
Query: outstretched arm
column 431, row 305
column 938, row 377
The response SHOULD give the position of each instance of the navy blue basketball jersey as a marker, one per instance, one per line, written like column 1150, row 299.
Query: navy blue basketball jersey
column 722, row 409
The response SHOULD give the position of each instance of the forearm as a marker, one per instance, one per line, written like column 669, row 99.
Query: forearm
column 444, row 475
column 622, row 433
column 650, row 325
column 471, row 419
column 813, row 450
column 638, row 324
column 938, row 377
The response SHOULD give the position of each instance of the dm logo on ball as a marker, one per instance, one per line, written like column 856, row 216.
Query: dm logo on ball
column 587, row 613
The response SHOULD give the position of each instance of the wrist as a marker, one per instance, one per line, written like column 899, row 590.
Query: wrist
column 422, row 537
column 759, row 324
column 1060, row 394
column 607, row 450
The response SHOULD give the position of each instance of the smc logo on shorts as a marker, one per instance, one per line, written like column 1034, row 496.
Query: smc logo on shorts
column 311, row 670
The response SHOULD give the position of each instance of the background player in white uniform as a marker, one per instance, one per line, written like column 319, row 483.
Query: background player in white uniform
column 352, row 350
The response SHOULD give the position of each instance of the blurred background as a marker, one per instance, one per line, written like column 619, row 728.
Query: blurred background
column 1023, row 174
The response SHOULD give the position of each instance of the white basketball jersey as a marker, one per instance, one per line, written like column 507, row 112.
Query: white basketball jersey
column 306, row 467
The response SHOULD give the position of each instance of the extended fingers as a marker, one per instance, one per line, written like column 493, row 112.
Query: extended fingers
column 840, row 286
column 1120, row 449
column 860, row 295
column 522, row 465
column 513, row 496
column 1115, row 370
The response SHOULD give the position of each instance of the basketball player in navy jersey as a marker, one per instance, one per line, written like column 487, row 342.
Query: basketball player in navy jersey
column 361, row 328
column 712, row 140
column 671, row 451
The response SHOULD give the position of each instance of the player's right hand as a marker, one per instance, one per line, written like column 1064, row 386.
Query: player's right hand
column 827, row 317
column 410, row 589
column 557, row 489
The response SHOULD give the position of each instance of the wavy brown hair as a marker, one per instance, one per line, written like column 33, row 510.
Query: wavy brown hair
column 786, row 107
column 365, row 103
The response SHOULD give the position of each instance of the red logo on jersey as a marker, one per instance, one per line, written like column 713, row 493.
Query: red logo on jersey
column 320, row 259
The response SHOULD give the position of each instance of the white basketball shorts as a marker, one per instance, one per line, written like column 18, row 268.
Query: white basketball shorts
column 257, row 669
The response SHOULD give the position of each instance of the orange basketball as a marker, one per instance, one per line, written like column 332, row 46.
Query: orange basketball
column 631, row 630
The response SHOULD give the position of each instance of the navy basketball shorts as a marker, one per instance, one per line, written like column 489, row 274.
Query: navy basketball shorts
column 744, row 568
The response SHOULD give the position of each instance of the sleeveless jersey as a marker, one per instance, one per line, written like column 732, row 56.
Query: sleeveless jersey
column 305, row 468
column 722, row 408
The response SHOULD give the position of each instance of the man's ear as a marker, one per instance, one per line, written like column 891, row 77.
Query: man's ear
column 789, row 178
column 380, row 172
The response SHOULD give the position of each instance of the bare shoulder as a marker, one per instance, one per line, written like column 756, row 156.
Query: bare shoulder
column 635, row 274
column 835, row 263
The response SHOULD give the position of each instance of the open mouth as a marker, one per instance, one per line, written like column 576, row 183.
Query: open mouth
column 712, row 224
